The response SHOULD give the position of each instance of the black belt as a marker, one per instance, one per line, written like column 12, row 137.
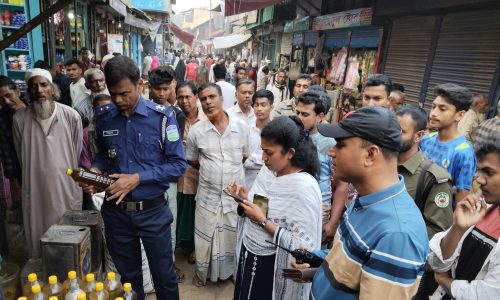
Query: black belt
column 140, row 205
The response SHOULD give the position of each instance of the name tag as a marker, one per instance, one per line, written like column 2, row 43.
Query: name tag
column 107, row 133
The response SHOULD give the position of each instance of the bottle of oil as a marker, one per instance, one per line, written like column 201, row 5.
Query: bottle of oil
column 100, row 293
column 32, row 280
column 113, row 286
column 89, row 285
column 53, row 288
column 128, row 293
column 37, row 294
column 55, row 298
column 74, row 287
column 81, row 296
column 22, row 298
column 67, row 282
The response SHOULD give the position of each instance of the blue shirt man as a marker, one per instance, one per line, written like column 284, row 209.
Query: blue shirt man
column 139, row 145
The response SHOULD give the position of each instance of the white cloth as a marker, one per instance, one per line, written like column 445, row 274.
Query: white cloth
column 146, row 64
column 211, row 75
column 47, row 122
column 221, row 161
column 78, row 91
column 280, row 95
column 296, row 228
column 486, row 284
column 38, row 72
column 254, row 162
column 236, row 112
column 228, row 93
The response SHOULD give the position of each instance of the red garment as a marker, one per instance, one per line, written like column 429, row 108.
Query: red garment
column 252, row 75
column 86, row 66
column 191, row 71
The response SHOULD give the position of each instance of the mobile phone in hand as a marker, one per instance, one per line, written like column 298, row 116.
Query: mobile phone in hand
column 236, row 198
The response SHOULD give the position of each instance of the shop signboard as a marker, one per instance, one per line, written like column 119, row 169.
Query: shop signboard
column 115, row 43
column 301, row 24
column 346, row 19
column 158, row 5
column 298, row 39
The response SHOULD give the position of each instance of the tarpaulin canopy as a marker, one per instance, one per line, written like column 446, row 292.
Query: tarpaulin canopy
column 230, row 40
column 182, row 35
column 234, row 7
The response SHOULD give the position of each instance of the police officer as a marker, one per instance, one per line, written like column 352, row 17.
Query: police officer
column 139, row 145
column 427, row 183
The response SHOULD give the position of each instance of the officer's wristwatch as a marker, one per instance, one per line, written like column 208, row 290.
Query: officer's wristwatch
column 263, row 224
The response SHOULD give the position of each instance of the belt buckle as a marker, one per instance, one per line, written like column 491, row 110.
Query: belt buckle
column 130, row 206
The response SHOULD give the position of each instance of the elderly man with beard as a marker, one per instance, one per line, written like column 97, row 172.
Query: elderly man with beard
column 48, row 140
column 96, row 83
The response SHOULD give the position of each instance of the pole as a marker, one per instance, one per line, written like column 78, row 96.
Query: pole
column 210, row 22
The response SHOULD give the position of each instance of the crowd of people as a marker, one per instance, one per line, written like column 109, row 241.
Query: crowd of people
column 221, row 159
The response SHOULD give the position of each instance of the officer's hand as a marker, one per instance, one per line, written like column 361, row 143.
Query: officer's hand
column 122, row 186
column 469, row 211
column 88, row 188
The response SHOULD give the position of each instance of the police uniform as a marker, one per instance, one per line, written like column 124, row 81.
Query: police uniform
column 438, row 211
column 148, row 143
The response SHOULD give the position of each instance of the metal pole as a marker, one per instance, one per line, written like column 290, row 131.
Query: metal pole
column 210, row 22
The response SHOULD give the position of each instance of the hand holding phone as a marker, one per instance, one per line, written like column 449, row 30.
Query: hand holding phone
column 236, row 198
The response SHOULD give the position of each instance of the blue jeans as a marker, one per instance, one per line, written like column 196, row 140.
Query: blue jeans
column 123, row 232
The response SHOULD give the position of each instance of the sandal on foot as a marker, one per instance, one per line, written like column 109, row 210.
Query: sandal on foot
column 197, row 281
column 180, row 275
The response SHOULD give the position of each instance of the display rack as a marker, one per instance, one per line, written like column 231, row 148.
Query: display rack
column 21, row 55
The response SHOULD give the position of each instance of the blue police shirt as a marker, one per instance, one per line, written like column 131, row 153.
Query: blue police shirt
column 135, row 144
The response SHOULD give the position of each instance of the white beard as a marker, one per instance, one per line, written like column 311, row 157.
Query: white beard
column 43, row 109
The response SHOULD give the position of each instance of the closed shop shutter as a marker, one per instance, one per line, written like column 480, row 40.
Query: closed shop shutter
column 286, row 43
column 311, row 38
column 467, row 52
column 407, row 53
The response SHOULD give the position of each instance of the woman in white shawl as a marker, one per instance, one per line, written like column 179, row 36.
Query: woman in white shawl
column 293, row 218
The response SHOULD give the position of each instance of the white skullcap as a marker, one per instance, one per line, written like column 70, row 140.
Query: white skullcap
column 38, row 72
column 107, row 57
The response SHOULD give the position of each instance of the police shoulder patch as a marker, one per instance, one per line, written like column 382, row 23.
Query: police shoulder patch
column 172, row 133
column 442, row 200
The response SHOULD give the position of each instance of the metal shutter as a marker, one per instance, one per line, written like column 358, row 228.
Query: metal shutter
column 365, row 37
column 336, row 38
column 467, row 52
column 409, row 43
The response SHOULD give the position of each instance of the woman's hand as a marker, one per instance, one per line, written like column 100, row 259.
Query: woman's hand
column 238, row 189
column 252, row 211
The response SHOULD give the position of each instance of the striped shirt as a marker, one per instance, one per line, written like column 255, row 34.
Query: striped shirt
column 379, row 251
column 221, row 161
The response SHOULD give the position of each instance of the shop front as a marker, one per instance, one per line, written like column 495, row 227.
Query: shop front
column 461, row 47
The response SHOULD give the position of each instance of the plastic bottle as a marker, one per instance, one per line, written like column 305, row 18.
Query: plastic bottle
column 74, row 287
column 22, row 298
column 113, row 286
column 128, row 293
column 37, row 294
column 53, row 288
column 81, row 296
column 54, row 298
column 66, row 283
column 100, row 293
column 89, row 285
column 32, row 280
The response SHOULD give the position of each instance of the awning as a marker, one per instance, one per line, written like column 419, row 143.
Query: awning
column 182, row 35
column 230, row 41
column 234, row 7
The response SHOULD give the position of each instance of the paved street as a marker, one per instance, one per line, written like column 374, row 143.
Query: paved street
column 212, row 291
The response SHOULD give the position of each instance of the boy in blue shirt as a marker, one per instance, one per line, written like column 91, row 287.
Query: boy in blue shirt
column 447, row 148
column 311, row 110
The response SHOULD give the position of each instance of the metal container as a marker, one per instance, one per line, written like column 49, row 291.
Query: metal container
column 66, row 248
column 92, row 219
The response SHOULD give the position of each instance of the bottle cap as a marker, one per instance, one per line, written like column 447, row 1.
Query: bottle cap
column 52, row 279
column 69, row 172
column 127, row 287
column 111, row 276
column 36, row 289
column 32, row 277
column 81, row 296
column 53, row 298
column 118, row 298
column 99, row 286
column 71, row 274
column 22, row 298
column 90, row 277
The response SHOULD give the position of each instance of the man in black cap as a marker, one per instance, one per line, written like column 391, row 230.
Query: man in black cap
column 381, row 244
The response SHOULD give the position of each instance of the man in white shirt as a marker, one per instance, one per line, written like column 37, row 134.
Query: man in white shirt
column 228, row 90
column 243, row 108
column 77, row 89
column 474, row 116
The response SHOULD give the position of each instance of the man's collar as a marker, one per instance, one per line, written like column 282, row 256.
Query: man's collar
column 381, row 195
column 141, row 107
column 411, row 164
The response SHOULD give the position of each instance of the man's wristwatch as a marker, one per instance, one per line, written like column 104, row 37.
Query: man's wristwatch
column 264, row 223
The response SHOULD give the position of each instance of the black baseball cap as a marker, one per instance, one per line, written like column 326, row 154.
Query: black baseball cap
column 372, row 123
